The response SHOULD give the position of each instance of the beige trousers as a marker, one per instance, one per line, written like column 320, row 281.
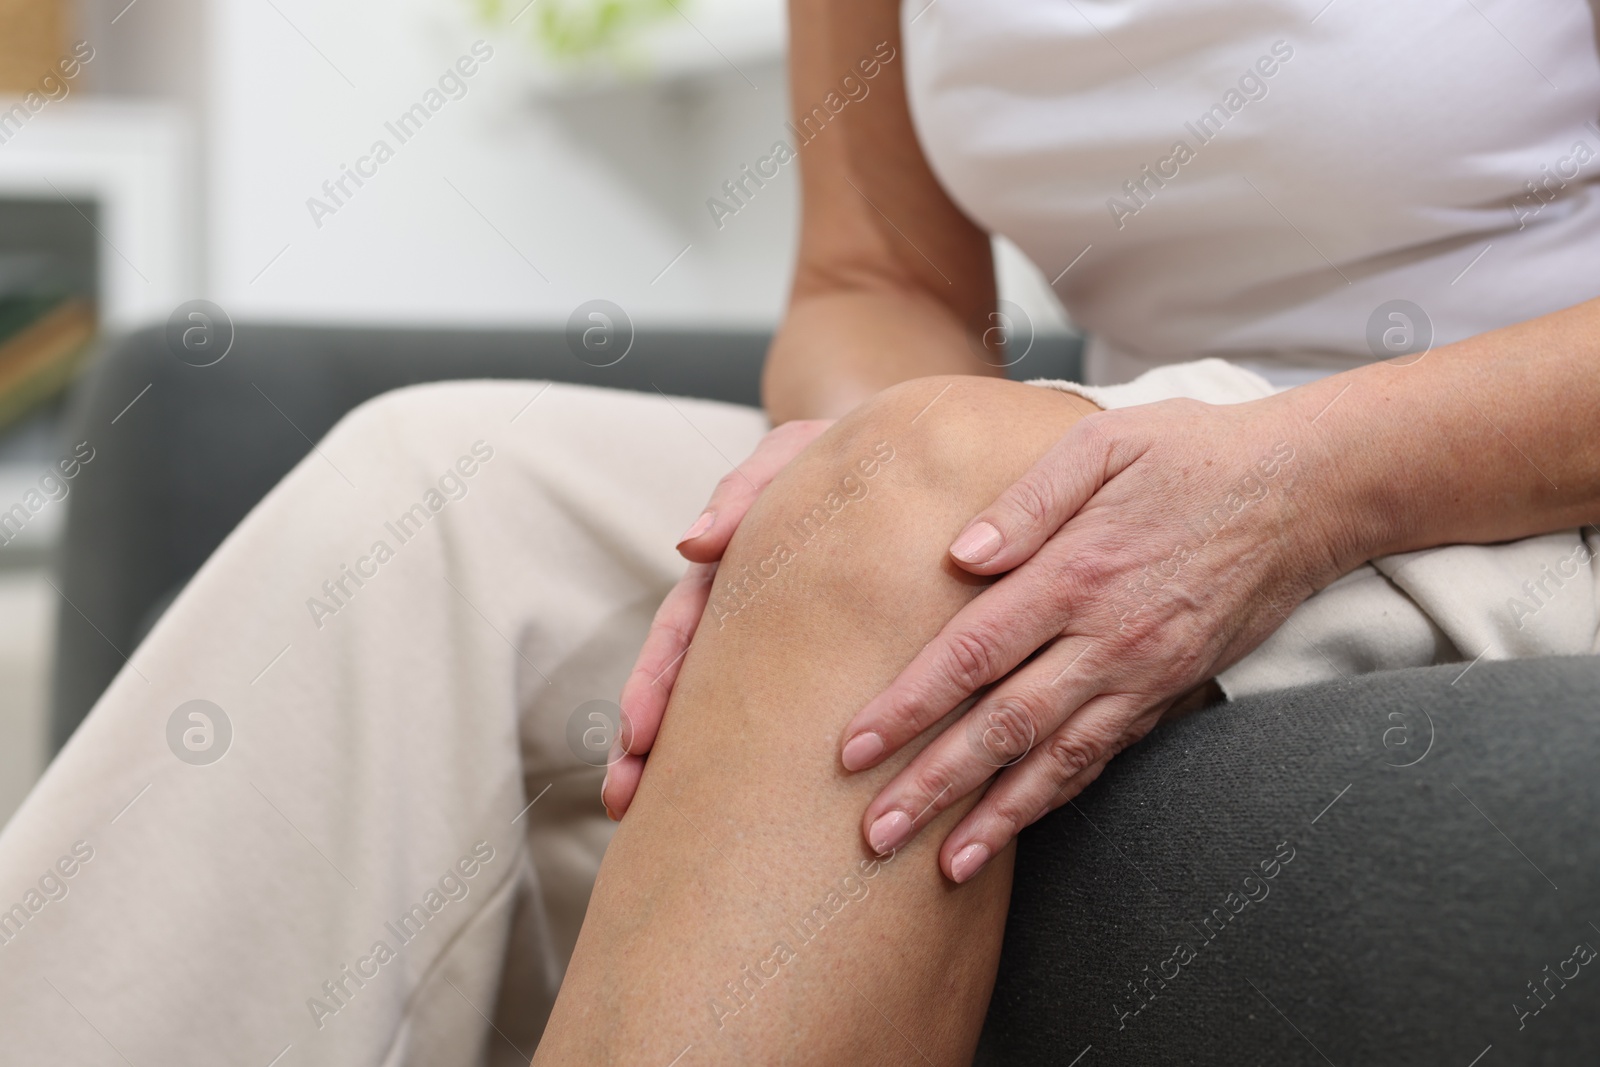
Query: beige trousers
column 342, row 806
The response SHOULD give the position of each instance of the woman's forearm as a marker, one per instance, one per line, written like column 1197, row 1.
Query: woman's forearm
column 837, row 348
column 891, row 276
column 1488, row 439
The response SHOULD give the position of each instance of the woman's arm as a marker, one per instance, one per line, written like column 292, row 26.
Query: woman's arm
column 1488, row 439
column 891, row 276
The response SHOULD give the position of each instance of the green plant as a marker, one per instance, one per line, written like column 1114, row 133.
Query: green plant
column 574, row 31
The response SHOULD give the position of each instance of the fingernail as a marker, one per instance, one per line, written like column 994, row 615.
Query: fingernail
column 605, row 783
column 889, row 832
column 968, row 862
column 624, row 736
column 701, row 525
column 977, row 544
column 861, row 750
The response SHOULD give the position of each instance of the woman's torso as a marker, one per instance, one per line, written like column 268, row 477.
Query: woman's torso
column 1261, row 179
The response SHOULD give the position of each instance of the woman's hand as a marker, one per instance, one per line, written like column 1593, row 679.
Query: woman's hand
column 1150, row 548
column 644, row 696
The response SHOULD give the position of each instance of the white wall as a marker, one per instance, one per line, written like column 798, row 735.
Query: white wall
column 598, row 191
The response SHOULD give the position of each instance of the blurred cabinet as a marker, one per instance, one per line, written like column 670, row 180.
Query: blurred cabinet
column 98, row 192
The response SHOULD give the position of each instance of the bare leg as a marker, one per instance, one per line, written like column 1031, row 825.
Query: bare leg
column 738, row 916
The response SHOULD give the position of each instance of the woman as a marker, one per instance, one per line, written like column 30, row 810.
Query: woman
column 389, row 864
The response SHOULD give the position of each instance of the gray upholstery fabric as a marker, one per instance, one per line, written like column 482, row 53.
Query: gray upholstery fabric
column 176, row 471
column 1406, row 927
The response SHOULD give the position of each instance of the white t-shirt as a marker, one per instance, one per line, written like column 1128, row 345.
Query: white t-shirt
column 1261, row 179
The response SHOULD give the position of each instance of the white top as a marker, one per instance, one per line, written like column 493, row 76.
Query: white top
column 1254, row 179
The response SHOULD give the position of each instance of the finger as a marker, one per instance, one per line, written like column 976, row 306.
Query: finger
column 622, row 782
column 982, row 643
column 1023, row 517
column 707, row 538
column 1054, row 772
column 999, row 730
column 645, row 693
column 961, row 863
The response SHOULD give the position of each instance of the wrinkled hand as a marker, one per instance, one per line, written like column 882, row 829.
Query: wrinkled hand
column 644, row 696
column 1150, row 548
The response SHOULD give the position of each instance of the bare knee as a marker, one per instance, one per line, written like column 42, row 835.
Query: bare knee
column 861, row 521
column 959, row 436
column 943, row 444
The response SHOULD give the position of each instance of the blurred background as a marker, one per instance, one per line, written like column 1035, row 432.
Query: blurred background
column 158, row 152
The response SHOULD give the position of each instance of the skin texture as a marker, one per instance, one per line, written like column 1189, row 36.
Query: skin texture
column 675, row 622
column 744, row 820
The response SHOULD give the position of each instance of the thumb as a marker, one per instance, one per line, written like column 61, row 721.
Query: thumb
column 708, row 537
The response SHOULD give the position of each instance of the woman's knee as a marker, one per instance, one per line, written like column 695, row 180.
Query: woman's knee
column 960, row 436
column 947, row 444
column 868, row 511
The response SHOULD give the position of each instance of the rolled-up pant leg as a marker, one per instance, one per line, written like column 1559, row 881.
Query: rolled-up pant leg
column 373, row 840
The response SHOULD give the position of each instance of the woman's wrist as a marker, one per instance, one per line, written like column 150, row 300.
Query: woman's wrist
column 1484, row 440
column 836, row 349
column 1357, row 508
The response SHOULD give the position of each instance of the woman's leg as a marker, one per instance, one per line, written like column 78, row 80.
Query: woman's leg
column 738, row 917
column 391, row 648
